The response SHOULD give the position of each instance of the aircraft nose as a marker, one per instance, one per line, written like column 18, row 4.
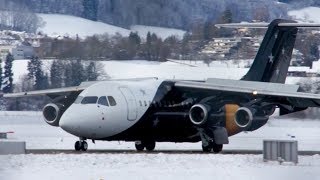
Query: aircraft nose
column 65, row 124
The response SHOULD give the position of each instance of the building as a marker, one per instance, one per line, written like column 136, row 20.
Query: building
column 226, row 48
column 23, row 51
column 4, row 50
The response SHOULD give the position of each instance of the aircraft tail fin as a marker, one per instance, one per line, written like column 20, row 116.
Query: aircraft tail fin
column 272, row 61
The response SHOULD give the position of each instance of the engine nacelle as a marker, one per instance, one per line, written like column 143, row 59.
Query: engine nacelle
column 52, row 113
column 199, row 114
column 248, row 119
column 243, row 118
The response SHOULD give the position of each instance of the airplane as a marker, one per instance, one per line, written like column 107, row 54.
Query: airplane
column 150, row 110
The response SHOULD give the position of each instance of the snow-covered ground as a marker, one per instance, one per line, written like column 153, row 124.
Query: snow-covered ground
column 65, row 25
column 155, row 167
column 308, row 14
column 141, row 68
column 167, row 70
column 56, row 24
column 30, row 127
column 160, row 31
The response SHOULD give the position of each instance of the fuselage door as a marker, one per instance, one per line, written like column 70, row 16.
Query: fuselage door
column 131, row 103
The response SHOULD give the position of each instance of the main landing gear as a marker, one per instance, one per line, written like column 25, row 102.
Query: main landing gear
column 211, row 146
column 148, row 145
column 81, row 145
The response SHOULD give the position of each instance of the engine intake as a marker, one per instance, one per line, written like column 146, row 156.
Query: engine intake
column 52, row 113
column 199, row 114
column 243, row 118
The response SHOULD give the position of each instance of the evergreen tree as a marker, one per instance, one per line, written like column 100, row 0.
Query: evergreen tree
column 7, row 86
column 36, row 74
column 134, row 38
column 90, row 9
column 56, row 72
column 226, row 16
column 68, row 75
column 133, row 46
column 156, row 45
column 3, row 104
column 148, row 47
column 78, row 73
column 92, row 74
column 0, row 74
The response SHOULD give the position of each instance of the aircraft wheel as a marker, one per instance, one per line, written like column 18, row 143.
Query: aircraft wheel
column 207, row 148
column 84, row 146
column 77, row 146
column 217, row 148
column 139, row 146
column 150, row 145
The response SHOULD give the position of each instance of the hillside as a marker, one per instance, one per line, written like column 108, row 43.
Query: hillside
column 308, row 14
column 62, row 25
column 179, row 14
column 56, row 24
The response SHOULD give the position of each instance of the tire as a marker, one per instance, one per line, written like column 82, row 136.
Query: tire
column 206, row 149
column 77, row 146
column 139, row 146
column 84, row 146
column 150, row 145
column 217, row 148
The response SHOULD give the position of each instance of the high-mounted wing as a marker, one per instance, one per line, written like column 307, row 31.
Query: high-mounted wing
column 65, row 91
column 254, row 89
column 52, row 93
column 48, row 92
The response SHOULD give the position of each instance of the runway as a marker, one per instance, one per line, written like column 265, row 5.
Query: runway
column 117, row 151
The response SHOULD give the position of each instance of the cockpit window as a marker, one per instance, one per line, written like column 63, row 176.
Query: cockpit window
column 89, row 100
column 112, row 101
column 78, row 100
column 103, row 101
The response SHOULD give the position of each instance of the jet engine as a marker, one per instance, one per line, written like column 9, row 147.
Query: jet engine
column 248, row 119
column 199, row 114
column 52, row 113
column 243, row 117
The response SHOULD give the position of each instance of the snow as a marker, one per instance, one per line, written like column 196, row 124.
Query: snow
column 30, row 127
column 66, row 25
column 308, row 14
column 174, row 69
column 142, row 68
column 61, row 25
column 155, row 166
column 162, row 32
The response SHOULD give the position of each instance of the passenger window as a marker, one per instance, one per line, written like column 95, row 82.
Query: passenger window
column 89, row 100
column 103, row 101
column 78, row 100
column 140, row 103
column 112, row 101
column 145, row 103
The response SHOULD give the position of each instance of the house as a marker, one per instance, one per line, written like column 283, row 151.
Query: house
column 4, row 50
column 23, row 51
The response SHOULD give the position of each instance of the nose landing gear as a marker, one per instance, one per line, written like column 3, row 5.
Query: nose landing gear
column 81, row 145
column 148, row 145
